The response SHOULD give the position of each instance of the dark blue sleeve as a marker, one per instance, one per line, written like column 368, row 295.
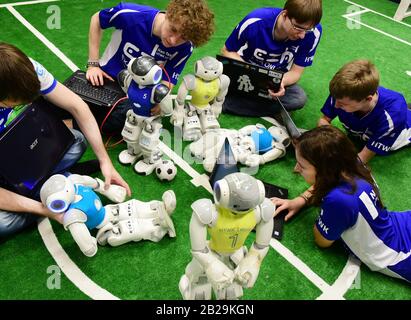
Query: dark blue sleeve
column 337, row 215
column 239, row 36
column 121, row 16
column 391, row 123
column 328, row 108
column 305, row 56
column 175, row 66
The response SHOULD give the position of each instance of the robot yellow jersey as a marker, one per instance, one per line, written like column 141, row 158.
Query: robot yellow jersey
column 204, row 92
column 231, row 230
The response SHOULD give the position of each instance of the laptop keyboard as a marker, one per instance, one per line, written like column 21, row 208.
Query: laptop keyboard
column 88, row 92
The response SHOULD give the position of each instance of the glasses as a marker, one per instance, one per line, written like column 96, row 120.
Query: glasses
column 300, row 29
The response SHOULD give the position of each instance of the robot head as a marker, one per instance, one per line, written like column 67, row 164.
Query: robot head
column 262, row 139
column 208, row 68
column 145, row 70
column 239, row 192
column 57, row 193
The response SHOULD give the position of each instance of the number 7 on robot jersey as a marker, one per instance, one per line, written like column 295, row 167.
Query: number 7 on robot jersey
column 234, row 240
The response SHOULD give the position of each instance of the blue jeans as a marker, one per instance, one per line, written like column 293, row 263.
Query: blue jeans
column 294, row 99
column 10, row 222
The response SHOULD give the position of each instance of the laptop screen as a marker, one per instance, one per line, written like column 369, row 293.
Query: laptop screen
column 250, row 80
column 8, row 115
column 31, row 145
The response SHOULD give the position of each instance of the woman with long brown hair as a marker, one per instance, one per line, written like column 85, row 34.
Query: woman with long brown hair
column 351, row 206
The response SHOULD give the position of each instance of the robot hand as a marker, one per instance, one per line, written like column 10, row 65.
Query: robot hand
column 115, row 193
column 248, row 269
column 253, row 160
column 217, row 108
column 219, row 275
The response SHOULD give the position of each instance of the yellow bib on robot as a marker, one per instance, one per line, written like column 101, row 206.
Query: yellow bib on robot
column 204, row 92
column 231, row 230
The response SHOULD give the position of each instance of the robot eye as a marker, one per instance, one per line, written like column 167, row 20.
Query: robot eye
column 57, row 205
column 143, row 79
column 205, row 71
column 215, row 72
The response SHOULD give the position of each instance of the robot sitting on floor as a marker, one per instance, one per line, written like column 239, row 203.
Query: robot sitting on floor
column 208, row 88
column 141, row 132
column 223, row 263
column 252, row 145
column 117, row 224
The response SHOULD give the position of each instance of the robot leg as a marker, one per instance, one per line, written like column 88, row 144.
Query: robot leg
column 131, row 132
column 191, row 126
column 148, row 142
column 130, row 230
column 194, row 284
column 208, row 121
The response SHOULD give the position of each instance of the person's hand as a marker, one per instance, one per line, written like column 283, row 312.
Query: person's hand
column 293, row 206
column 279, row 93
column 112, row 176
column 59, row 217
column 96, row 76
column 156, row 110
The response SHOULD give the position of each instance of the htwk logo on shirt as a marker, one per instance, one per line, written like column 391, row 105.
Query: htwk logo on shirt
column 245, row 83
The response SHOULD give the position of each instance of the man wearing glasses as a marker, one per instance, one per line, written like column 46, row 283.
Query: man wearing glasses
column 282, row 39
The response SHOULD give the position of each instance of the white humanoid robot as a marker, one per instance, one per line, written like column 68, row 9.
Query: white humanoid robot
column 223, row 264
column 252, row 145
column 117, row 224
column 141, row 132
column 208, row 88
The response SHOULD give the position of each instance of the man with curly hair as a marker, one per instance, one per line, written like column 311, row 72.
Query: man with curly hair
column 168, row 36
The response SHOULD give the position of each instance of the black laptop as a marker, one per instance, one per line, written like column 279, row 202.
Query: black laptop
column 95, row 96
column 250, row 80
column 31, row 146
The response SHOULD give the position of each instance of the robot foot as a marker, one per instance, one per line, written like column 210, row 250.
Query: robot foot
column 163, row 218
column 145, row 168
column 170, row 201
column 198, row 291
column 126, row 158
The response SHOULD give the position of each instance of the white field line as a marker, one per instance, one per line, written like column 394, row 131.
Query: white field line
column 344, row 281
column 70, row 269
column 357, row 13
column 43, row 39
column 288, row 255
column 378, row 13
column 378, row 30
column 25, row 3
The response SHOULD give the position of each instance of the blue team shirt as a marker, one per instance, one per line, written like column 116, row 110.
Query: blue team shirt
column 387, row 127
column 379, row 238
column 90, row 204
column 253, row 40
column 140, row 97
column 134, row 37
column 47, row 85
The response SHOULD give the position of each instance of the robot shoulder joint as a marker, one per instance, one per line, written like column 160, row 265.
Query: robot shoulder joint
column 205, row 211
column 190, row 81
column 160, row 91
column 74, row 216
column 267, row 210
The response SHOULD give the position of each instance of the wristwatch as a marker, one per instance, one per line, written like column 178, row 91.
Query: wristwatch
column 93, row 63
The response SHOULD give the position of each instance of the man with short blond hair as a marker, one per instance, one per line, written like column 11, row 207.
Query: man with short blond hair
column 376, row 115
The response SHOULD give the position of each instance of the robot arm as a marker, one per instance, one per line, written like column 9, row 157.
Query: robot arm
column 219, row 100
column 248, row 269
column 160, row 94
column 186, row 85
column 115, row 193
column 74, row 221
column 277, row 151
column 204, row 213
